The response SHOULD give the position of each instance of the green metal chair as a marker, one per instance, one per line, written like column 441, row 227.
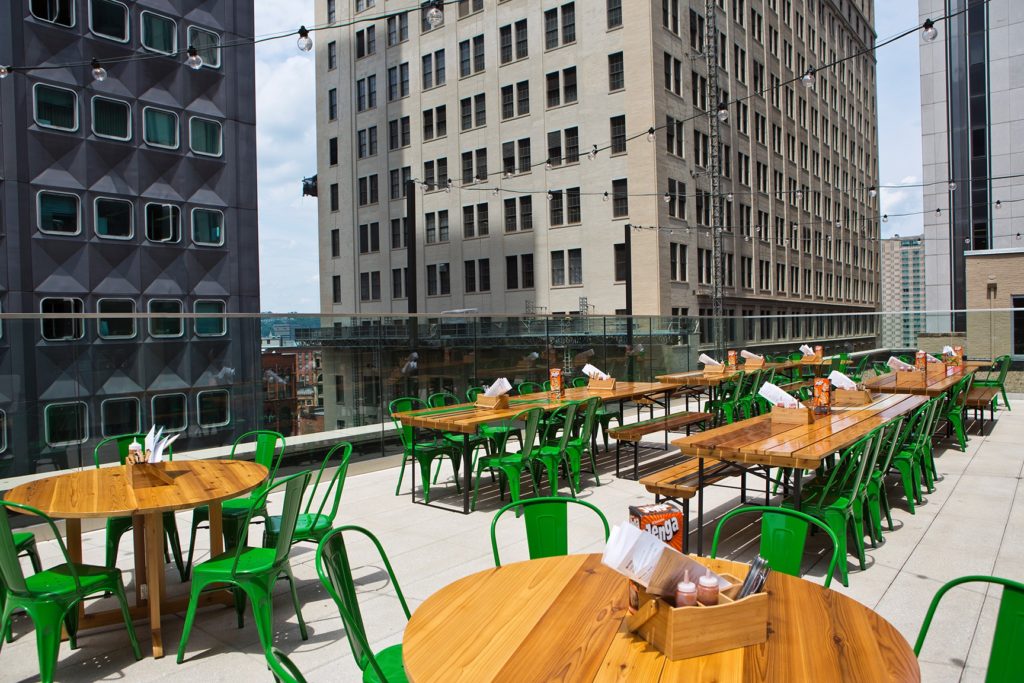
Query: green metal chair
column 880, row 368
column 440, row 400
column 910, row 458
column 783, row 536
column 252, row 572
column 528, row 388
column 1004, row 662
column 857, row 372
column 236, row 510
column 284, row 669
column 24, row 546
column 894, row 437
column 727, row 407
column 547, row 525
column 510, row 466
column 1000, row 366
column 335, row 571
column 51, row 597
column 748, row 392
column 425, row 451
column 578, row 382
column 956, row 408
column 473, row 392
column 581, row 441
column 551, row 454
column 314, row 522
column 117, row 526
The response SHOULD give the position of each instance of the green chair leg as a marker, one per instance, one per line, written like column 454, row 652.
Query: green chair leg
column 48, row 617
column 837, row 522
column 401, row 473
column 190, row 617
column 425, row 477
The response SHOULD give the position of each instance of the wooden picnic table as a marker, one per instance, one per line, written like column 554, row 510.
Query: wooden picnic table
column 466, row 418
column 935, row 384
column 762, row 442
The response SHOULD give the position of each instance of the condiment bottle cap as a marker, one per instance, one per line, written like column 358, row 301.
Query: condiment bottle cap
column 708, row 581
column 686, row 586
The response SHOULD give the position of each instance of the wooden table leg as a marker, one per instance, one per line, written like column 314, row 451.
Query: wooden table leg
column 139, row 539
column 155, row 576
column 73, row 541
column 216, row 529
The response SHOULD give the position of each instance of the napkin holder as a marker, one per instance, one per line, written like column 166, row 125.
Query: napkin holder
column 910, row 379
column 492, row 402
column 601, row 384
column 714, row 370
column 794, row 416
column 810, row 360
column 753, row 363
column 146, row 475
column 851, row 397
column 683, row 632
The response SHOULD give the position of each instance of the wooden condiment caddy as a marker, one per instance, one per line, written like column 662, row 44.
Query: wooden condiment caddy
column 796, row 416
column 601, row 384
column 753, row 363
column 492, row 402
column 910, row 379
column 851, row 397
column 683, row 632
column 714, row 370
column 145, row 475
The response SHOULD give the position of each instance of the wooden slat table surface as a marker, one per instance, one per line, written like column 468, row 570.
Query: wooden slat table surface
column 696, row 378
column 562, row 618
column 934, row 384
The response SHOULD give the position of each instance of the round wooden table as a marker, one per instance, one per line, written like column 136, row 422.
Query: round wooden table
column 562, row 618
column 144, row 494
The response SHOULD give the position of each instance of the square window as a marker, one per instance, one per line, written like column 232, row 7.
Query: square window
column 60, row 12
column 120, row 416
column 213, row 408
column 109, row 19
column 159, row 34
column 61, row 329
column 165, row 327
column 204, row 136
column 116, row 328
column 111, row 118
column 208, row 227
column 55, row 107
column 170, row 411
column 207, row 43
column 210, row 327
column 163, row 223
column 58, row 213
column 66, row 424
column 114, row 218
column 160, row 128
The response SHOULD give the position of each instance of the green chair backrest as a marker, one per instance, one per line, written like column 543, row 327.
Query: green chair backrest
column 861, row 364
column 528, row 388
column 1004, row 661
column 561, row 418
column 958, row 394
column 1004, row 368
column 892, row 438
column 332, row 493
column 796, row 355
column 846, row 477
column 123, row 441
column 473, row 392
column 11, row 574
column 880, row 368
column 579, row 381
column 404, row 405
column 783, row 537
column 588, row 409
column 531, row 423
column 266, row 454
column 294, row 489
column 547, row 526
column 442, row 399
column 335, row 571
column 733, row 389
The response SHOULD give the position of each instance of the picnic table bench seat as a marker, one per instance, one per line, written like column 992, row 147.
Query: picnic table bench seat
column 980, row 398
column 635, row 431
column 680, row 483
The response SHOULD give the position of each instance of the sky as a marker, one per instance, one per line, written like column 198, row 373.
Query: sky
column 286, row 145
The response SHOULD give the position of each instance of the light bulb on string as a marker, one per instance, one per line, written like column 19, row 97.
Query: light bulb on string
column 448, row 186
column 548, row 165
column 872, row 192
column 506, row 175
column 496, row 192
column 799, row 195
column 999, row 203
column 728, row 197
column 194, row 61
column 723, row 112
column 592, row 154
column 808, row 78
column 952, row 185
column 304, row 43
column 667, row 198
column 551, row 196
column 604, row 197
column 929, row 32
column 650, row 134
column 98, row 72
column 938, row 212
column 435, row 15
column 885, row 218
column 4, row 71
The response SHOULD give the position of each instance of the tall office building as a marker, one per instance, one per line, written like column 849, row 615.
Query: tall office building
column 131, row 193
column 902, row 300
column 497, row 111
column 971, row 141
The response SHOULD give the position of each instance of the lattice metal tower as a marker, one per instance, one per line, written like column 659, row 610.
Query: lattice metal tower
column 714, row 171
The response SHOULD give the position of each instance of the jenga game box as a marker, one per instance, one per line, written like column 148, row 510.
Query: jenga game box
column 731, row 359
column 921, row 361
column 557, row 388
column 822, row 395
column 819, row 351
column 661, row 520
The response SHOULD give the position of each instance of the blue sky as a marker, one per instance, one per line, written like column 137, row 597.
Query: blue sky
column 286, row 146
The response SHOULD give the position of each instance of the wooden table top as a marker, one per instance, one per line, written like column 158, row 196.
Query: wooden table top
column 935, row 384
column 562, row 618
column 464, row 418
column 760, row 441
column 108, row 491
column 696, row 378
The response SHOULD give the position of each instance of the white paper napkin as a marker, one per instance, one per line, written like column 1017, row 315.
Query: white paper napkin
column 707, row 360
column 750, row 356
column 896, row 364
column 806, row 350
column 932, row 359
column 948, row 350
column 592, row 372
column 500, row 387
column 777, row 396
column 841, row 381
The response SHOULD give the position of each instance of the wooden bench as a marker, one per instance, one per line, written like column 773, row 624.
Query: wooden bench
column 635, row 431
column 980, row 398
column 680, row 483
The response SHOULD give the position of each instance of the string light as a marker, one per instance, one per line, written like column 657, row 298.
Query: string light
column 728, row 197
column 551, row 196
column 885, row 218
column 448, row 186
column 98, row 72
column 548, row 165
column 999, row 203
column 592, row 154
column 952, row 185
column 872, row 192
column 650, row 134
column 723, row 111
column 604, row 198
column 4, row 71
column 435, row 15
column 667, row 198
column 938, row 212
column 194, row 61
column 930, row 33
column 304, row 43
column 808, row 78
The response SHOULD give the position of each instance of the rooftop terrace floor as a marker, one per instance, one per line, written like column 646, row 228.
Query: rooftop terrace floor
column 972, row 524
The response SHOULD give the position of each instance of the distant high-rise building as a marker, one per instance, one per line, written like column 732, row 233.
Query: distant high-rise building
column 902, row 292
column 971, row 141
column 134, row 193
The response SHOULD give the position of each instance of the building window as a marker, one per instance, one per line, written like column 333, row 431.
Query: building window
column 620, row 198
column 61, row 329
column 159, row 34
column 166, row 327
column 205, row 137
column 163, row 223
column 120, row 416
column 438, row 279
column 616, row 72
column 336, row 289
column 475, row 221
column 369, row 286
column 210, row 327
column 332, row 151
column 433, row 73
column 568, row 26
column 398, row 29
column 519, row 272
column 614, row 14
column 111, row 118
column 366, row 43
column 332, row 103
column 116, row 328
column 519, row 213
column 398, row 279
column 207, row 44
column 399, row 133
column 60, row 12
column 369, row 238
column 398, row 82
column 560, row 260
column 58, row 213
column 335, row 243
column 114, row 218
column 160, row 128
column 561, row 87
column 621, row 267
column 213, row 408
column 55, row 107
column 208, row 227
column 109, row 19
column 66, row 424
column 170, row 411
